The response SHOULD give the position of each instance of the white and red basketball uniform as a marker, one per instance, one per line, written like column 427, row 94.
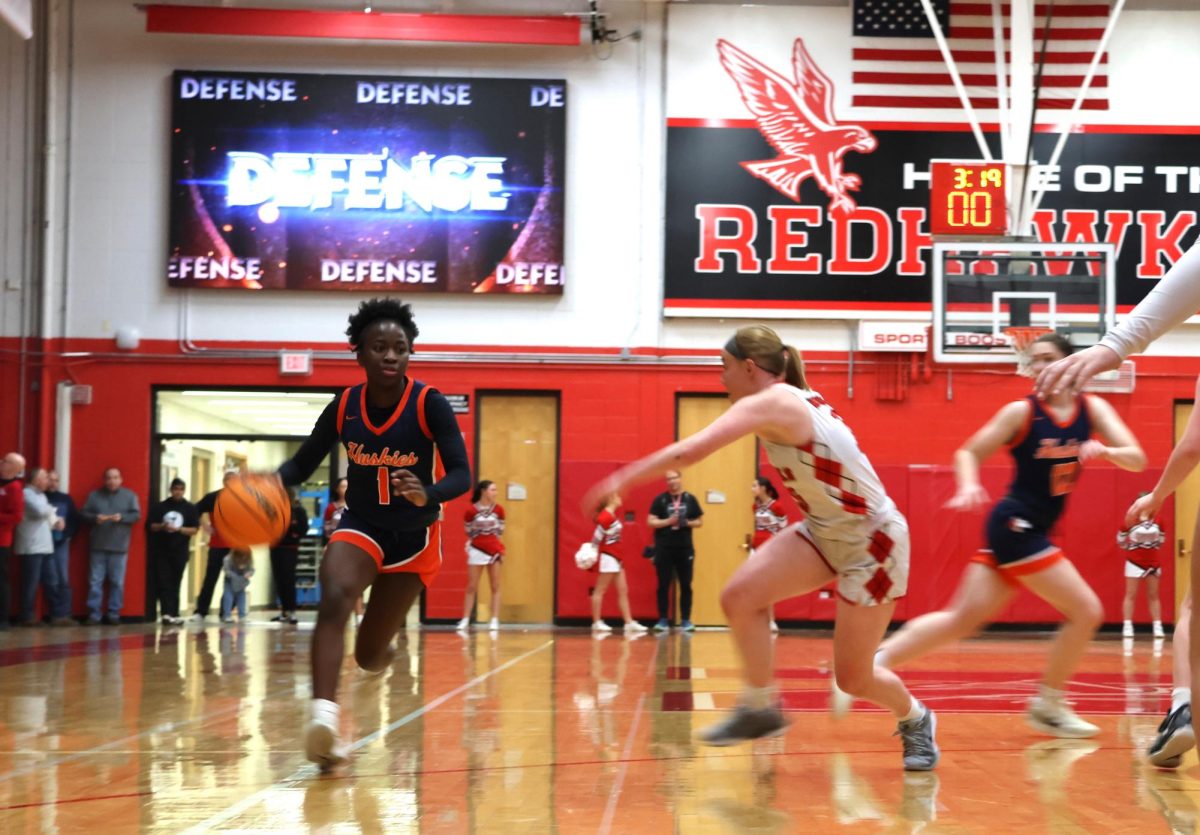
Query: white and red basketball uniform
column 1141, row 545
column 769, row 519
column 485, row 526
column 850, row 519
column 608, row 539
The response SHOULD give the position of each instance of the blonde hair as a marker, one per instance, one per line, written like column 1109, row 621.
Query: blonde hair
column 764, row 347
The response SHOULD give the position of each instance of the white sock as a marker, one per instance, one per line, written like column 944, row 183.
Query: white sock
column 757, row 698
column 915, row 712
column 1180, row 696
column 325, row 712
column 1049, row 694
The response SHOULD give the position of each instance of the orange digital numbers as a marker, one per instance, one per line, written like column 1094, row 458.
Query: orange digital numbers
column 967, row 198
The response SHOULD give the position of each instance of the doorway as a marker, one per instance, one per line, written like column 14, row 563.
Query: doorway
column 518, row 450
column 721, row 483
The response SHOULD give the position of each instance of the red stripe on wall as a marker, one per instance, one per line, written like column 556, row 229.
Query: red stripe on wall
column 683, row 122
column 293, row 23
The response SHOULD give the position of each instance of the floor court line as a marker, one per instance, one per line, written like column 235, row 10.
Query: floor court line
column 308, row 771
column 610, row 810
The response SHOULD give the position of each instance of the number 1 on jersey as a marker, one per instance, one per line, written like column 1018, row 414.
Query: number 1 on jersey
column 385, row 486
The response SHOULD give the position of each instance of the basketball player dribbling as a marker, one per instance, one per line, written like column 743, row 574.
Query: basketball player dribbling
column 1049, row 441
column 853, row 533
column 389, row 537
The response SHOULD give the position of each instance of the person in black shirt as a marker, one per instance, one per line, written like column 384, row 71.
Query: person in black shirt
column 284, row 556
column 394, row 428
column 673, row 515
column 218, row 549
column 172, row 524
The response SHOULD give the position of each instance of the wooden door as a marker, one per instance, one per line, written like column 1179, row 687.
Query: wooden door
column 722, row 485
column 1187, row 499
column 518, row 449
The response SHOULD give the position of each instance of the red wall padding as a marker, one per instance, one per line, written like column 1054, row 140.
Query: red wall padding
column 612, row 414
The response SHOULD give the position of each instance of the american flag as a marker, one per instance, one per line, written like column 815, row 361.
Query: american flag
column 897, row 63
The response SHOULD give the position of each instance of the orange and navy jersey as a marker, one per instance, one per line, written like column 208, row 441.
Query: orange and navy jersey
column 1046, row 455
column 485, row 526
column 419, row 434
column 769, row 519
column 608, row 533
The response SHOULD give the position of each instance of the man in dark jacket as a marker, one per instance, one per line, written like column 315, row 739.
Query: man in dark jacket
column 172, row 524
column 64, row 507
column 12, row 510
column 673, row 515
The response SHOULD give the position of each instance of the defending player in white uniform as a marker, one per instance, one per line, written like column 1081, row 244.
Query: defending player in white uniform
column 853, row 533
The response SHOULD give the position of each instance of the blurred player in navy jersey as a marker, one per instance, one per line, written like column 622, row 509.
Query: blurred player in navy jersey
column 398, row 433
column 1050, row 440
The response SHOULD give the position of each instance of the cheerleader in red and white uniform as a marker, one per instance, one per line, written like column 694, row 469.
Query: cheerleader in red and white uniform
column 769, row 519
column 485, row 525
column 608, row 539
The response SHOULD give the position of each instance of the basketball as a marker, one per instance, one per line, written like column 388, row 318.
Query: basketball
column 252, row 509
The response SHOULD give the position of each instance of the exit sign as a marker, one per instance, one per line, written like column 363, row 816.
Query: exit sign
column 295, row 362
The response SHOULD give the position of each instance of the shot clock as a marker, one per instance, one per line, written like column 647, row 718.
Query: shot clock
column 968, row 198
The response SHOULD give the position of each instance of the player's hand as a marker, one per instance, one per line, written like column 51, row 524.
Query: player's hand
column 1092, row 451
column 1072, row 373
column 407, row 485
column 1142, row 510
column 969, row 498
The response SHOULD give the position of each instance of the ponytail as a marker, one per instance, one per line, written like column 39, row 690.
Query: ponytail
column 793, row 370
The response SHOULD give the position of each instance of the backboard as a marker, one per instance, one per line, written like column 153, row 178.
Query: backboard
column 982, row 287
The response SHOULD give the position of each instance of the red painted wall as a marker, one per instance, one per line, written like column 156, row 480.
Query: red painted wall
column 611, row 414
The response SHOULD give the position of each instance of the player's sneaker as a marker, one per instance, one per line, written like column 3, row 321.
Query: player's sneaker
column 1158, row 630
column 687, row 626
column 601, row 626
column 1127, row 630
column 743, row 725
column 635, row 628
column 463, row 625
column 774, row 627
column 494, row 624
column 1175, row 738
column 921, row 752
column 663, row 625
column 321, row 743
column 1057, row 719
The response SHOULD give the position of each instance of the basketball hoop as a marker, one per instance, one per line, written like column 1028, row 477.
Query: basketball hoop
column 1021, row 339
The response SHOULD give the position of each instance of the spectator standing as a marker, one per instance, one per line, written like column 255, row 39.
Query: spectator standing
column 35, row 546
column 172, row 523
column 284, row 556
column 112, row 510
column 335, row 508
column 64, row 506
column 12, row 510
column 673, row 515
column 218, row 549
column 239, row 568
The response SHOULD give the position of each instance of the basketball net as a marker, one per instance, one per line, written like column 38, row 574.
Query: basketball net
column 1022, row 339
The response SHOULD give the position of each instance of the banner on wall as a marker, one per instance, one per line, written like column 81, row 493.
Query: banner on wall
column 367, row 183
column 783, row 197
